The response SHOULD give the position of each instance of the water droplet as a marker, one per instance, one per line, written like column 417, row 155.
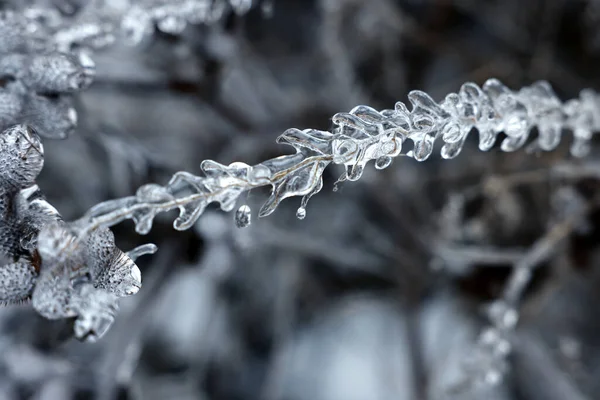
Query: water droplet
column 502, row 348
column 243, row 216
column 503, row 315
column 489, row 336
column 301, row 213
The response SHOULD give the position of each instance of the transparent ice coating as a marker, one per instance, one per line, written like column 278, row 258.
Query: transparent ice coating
column 490, row 109
column 296, row 174
column 363, row 135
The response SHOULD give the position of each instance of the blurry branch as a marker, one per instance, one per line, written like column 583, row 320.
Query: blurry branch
column 538, row 374
column 494, row 344
column 99, row 24
column 460, row 259
column 540, row 252
column 44, row 51
column 559, row 172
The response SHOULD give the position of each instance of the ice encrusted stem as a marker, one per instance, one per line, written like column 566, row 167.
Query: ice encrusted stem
column 362, row 135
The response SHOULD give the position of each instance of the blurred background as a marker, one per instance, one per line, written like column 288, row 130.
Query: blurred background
column 379, row 292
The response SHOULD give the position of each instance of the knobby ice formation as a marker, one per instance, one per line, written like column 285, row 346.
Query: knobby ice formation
column 362, row 135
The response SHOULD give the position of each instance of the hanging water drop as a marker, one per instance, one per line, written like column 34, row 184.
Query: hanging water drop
column 451, row 133
column 243, row 216
column 301, row 213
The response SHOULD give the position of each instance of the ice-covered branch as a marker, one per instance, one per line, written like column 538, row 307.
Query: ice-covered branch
column 362, row 135
column 357, row 137
column 290, row 175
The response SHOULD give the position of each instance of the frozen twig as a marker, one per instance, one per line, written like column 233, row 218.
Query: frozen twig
column 362, row 135
column 358, row 137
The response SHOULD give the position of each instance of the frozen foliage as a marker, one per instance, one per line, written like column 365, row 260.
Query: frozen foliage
column 43, row 261
column 358, row 137
column 232, row 313
column 37, row 81
column 44, row 51
column 96, row 24
column 364, row 135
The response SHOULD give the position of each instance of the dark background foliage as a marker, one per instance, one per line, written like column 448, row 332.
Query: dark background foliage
column 378, row 292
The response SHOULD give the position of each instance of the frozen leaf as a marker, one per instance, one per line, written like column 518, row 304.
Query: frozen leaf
column 22, row 156
column 299, row 174
column 51, row 117
column 82, row 277
column 299, row 181
column 110, row 268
